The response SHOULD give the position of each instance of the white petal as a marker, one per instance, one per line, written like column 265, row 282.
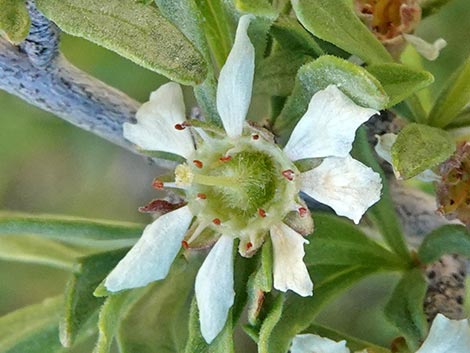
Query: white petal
column 328, row 127
column 156, row 120
column 236, row 81
column 309, row 343
column 289, row 268
column 384, row 150
column 344, row 184
column 151, row 257
column 428, row 50
column 447, row 336
column 214, row 288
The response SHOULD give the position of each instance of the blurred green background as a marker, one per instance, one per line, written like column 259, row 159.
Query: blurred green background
column 49, row 166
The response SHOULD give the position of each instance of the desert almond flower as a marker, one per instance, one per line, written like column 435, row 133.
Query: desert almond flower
column 240, row 185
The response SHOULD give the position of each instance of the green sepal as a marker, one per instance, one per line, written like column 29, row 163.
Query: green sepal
column 405, row 308
column 14, row 20
column 420, row 147
column 336, row 22
column 400, row 81
column 448, row 239
column 453, row 98
column 136, row 31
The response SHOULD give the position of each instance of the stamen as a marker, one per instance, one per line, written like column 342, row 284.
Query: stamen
column 302, row 211
column 180, row 126
column 261, row 212
column 157, row 184
column 198, row 163
column 201, row 196
column 185, row 245
column 255, row 137
column 288, row 174
column 249, row 245
column 225, row 158
column 216, row 221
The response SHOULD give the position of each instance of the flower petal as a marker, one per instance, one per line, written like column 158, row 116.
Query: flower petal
column 428, row 50
column 236, row 81
column 156, row 120
column 151, row 257
column 447, row 336
column 214, row 288
column 308, row 343
column 289, row 269
column 344, row 184
column 328, row 127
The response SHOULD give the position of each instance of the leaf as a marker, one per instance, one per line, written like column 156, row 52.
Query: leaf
column 337, row 242
column 276, row 73
column 383, row 213
column 448, row 239
column 293, row 37
column 336, row 22
column 30, row 329
column 158, row 321
column 14, row 20
column 453, row 98
column 36, row 250
column 400, row 81
column 136, row 31
column 430, row 7
column 420, row 147
column 186, row 15
column 80, row 303
column 72, row 230
column 256, row 7
column 405, row 308
column 363, row 88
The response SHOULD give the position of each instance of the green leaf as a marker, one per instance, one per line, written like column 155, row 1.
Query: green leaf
column 336, row 22
column 338, row 242
column 453, row 98
column 298, row 312
column 430, row 7
column 158, row 321
column 448, row 239
column 136, row 31
column 461, row 120
column 72, row 230
column 400, row 81
column 31, row 329
column 256, row 7
column 405, row 308
column 186, row 15
column 80, row 304
column 383, row 213
column 14, row 20
column 363, row 88
column 420, row 147
column 276, row 73
column 114, row 308
column 36, row 250
column 293, row 37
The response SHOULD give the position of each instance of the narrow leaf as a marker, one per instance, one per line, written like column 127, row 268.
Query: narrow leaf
column 14, row 20
column 405, row 308
column 256, row 7
column 400, row 81
column 448, row 239
column 453, row 98
column 136, row 31
column 336, row 22
column 420, row 147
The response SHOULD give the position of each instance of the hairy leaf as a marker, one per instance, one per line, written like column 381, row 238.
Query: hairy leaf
column 420, row 147
column 448, row 239
column 136, row 31
column 14, row 20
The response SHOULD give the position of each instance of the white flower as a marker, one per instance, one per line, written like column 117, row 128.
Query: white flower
column 445, row 336
column 239, row 184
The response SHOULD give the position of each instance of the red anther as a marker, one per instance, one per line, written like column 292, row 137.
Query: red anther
column 249, row 245
column 255, row 137
column 157, row 184
column 185, row 245
column 180, row 126
column 302, row 211
column 288, row 174
column 225, row 158
column 201, row 196
column 261, row 212
column 198, row 163
column 216, row 221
